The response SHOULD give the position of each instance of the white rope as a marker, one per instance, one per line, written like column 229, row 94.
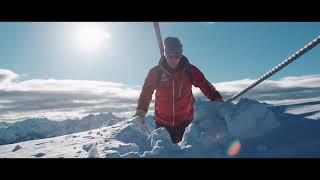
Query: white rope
column 293, row 57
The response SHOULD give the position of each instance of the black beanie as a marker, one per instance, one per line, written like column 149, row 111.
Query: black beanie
column 172, row 46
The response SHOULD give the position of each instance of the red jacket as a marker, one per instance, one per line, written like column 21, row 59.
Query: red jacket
column 174, row 99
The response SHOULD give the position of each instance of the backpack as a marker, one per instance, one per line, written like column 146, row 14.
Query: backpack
column 159, row 73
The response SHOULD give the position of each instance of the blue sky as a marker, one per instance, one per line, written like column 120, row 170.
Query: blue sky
column 224, row 51
column 48, row 69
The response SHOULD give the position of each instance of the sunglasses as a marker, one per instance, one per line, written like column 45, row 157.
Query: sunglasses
column 173, row 56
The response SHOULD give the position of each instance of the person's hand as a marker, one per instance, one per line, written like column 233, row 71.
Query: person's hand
column 141, row 114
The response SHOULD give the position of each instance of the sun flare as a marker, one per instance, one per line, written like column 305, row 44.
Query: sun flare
column 90, row 36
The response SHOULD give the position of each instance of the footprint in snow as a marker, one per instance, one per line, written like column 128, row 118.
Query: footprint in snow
column 16, row 148
column 39, row 155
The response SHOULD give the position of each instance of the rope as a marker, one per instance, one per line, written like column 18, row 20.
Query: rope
column 277, row 68
column 293, row 57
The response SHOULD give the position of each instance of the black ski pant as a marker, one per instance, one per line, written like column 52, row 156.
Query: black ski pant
column 176, row 133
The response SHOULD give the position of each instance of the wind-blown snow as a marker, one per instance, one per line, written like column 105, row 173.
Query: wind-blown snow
column 257, row 129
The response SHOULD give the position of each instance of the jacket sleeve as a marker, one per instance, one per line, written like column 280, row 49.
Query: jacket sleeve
column 147, row 90
column 205, row 86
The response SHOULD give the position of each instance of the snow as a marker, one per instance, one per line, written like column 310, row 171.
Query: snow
column 93, row 151
column 4, row 124
column 241, row 123
column 40, row 128
column 308, row 107
column 255, row 130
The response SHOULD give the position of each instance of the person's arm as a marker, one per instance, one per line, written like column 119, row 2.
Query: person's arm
column 147, row 91
column 205, row 86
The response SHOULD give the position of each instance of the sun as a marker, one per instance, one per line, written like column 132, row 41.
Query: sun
column 90, row 37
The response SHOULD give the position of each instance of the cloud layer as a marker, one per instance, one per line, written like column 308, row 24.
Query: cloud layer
column 61, row 99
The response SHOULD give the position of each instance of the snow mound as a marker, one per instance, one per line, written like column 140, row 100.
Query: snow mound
column 246, row 121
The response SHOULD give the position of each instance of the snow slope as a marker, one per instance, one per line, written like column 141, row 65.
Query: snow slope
column 309, row 108
column 40, row 128
column 262, row 130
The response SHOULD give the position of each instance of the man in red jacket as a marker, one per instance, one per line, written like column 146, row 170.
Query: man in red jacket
column 173, row 79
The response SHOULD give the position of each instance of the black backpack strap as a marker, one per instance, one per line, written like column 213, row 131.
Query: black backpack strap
column 159, row 73
column 189, row 73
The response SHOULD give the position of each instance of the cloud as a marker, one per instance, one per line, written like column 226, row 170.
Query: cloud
column 284, row 90
column 74, row 98
column 61, row 99
column 6, row 76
